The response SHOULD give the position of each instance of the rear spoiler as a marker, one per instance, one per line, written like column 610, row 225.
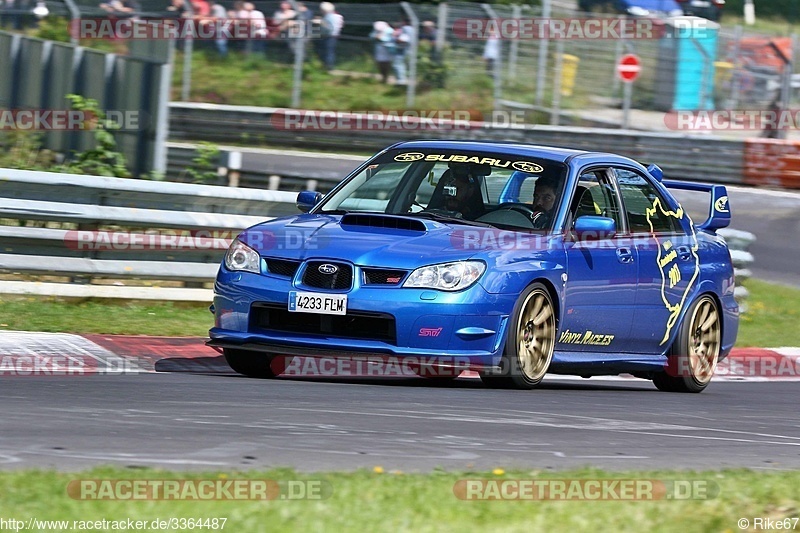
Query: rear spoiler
column 719, row 212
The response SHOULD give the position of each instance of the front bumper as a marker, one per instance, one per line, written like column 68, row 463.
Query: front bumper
column 468, row 326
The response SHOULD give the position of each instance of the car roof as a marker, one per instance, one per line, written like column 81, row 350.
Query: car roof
column 504, row 147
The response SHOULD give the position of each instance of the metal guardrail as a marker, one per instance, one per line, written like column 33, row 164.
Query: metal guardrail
column 693, row 158
column 104, row 229
column 285, row 170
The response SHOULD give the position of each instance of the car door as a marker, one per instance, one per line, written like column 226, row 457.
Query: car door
column 668, row 262
column 601, row 273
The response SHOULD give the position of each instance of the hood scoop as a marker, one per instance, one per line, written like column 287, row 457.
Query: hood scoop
column 383, row 221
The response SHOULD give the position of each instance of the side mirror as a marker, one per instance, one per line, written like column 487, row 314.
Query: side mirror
column 590, row 227
column 306, row 200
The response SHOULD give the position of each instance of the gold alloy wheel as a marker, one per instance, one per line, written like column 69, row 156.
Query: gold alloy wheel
column 704, row 344
column 536, row 332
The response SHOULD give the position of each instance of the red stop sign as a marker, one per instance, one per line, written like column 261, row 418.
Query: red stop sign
column 629, row 67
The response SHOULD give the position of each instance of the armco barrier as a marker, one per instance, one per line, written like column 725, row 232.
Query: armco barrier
column 284, row 170
column 693, row 158
column 91, row 210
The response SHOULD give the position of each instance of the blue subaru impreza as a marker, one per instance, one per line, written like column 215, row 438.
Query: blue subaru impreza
column 507, row 259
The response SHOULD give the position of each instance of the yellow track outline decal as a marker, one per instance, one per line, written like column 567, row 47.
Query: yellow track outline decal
column 669, row 259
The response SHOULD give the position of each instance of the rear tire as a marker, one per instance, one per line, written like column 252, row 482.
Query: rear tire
column 530, row 342
column 695, row 352
column 255, row 364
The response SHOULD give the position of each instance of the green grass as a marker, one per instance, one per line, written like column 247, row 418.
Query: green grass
column 770, row 322
column 772, row 316
column 259, row 81
column 370, row 501
column 92, row 316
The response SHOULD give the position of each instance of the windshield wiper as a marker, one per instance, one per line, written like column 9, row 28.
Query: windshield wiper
column 335, row 212
column 440, row 217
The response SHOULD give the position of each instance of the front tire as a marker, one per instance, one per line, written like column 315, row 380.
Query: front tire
column 695, row 352
column 254, row 364
column 530, row 342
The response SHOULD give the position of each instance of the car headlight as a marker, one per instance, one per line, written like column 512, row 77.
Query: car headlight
column 241, row 257
column 446, row 276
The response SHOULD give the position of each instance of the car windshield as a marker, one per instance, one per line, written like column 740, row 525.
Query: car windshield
column 468, row 187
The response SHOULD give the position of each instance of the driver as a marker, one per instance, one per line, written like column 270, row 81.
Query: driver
column 545, row 194
column 461, row 191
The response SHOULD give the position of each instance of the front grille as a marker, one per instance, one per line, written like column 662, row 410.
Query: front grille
column 383, row 276
column 340, row 280
column 353, row 325
column 282, row 267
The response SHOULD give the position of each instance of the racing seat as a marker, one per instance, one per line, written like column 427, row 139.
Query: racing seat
column 577, row 199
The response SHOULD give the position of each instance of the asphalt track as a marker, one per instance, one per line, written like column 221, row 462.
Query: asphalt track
column 222, row 421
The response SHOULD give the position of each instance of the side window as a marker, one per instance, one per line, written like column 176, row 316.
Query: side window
column 639, row 196
column 594, row 196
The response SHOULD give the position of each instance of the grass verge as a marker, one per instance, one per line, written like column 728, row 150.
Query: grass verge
column 770, row 321
column 772, row 316
column 109, row 317
column 370, row 501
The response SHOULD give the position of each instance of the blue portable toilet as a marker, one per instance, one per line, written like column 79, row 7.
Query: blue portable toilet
column 685, row 69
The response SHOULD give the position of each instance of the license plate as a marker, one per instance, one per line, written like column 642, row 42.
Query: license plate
column 315, row 302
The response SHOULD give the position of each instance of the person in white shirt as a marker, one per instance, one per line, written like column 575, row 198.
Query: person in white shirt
column 331, row 28
column 258, row 28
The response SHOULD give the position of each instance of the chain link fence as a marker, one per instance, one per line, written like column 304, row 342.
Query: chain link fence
column 545, row 80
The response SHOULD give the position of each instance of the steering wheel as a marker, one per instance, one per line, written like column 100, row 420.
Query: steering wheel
column 538, row 219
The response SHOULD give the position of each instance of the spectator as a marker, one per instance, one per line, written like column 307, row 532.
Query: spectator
column 238, row 11
column 303, row 13
column 179, row 8
column 240, row 18
column 219, row 14
column 283, row 16
column 428, row 32
column 258, row 25
column 201, row 8
column 330, row 29
column 403, row 39
column 491, row 51
column 382, row 34
column 121, row 8
column 301, row 24
column 427, row 37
